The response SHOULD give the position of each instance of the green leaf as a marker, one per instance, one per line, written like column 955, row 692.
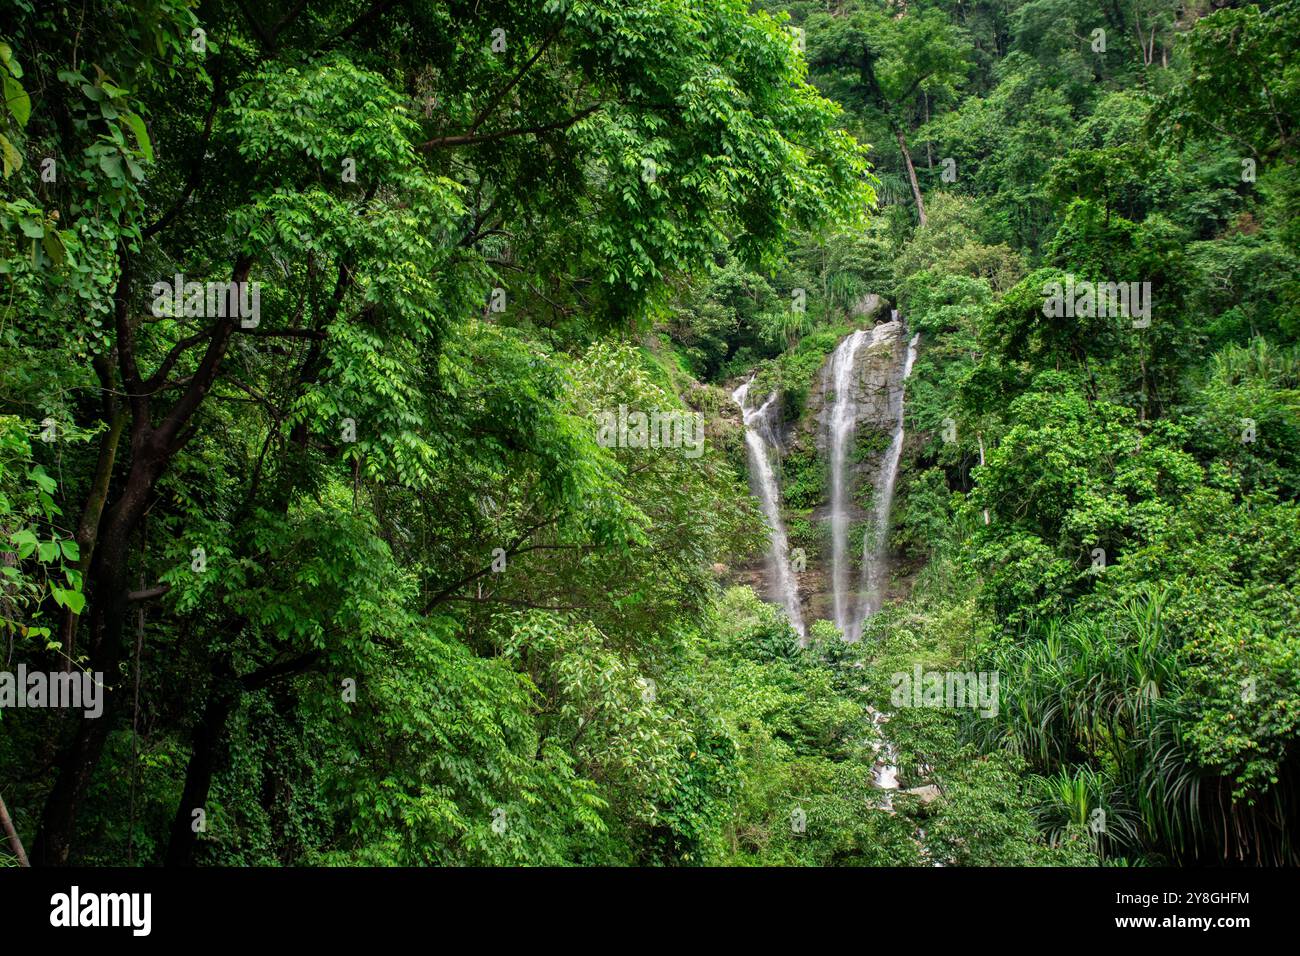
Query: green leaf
column 7, row 59
column 24, row 541
column 44, row 481
column 111, row 165
column 53, row 246
column 136, row 123
column 74, row 601
column 16, row 98
column 13, row 160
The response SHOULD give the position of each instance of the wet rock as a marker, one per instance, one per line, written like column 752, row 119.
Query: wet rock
column 926, row 794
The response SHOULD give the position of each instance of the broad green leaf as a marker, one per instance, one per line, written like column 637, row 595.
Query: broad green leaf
column 8, row 61
column 74, row 601
column 17, row 100
column 13, row 160
column 136, row 122
column 53, row 245
column 24, row 540
column 43, row 480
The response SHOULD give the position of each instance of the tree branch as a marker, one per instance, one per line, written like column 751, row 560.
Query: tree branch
column 262, row 36
column 467, row 139
column 148, row 594
column 207, row 370
column 285, row 333
column 196, row 164
column 514, row 548
column 264, row 675
column 494, row 101
column 375, row 10
column 159, row 377
column 528, row 604
column 126, row 340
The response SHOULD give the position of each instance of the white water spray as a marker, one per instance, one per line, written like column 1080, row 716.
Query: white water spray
column 843, row 417
column 874, row 395
column 875, row 555
column 884, row 773
column 761, row 442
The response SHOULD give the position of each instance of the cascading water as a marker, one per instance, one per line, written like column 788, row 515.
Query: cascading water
column 842, row 419
column 865, row 391
column 884, row 774
column 875, row 563
column 761, row 442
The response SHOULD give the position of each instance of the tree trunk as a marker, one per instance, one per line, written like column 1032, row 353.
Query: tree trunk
column 929, row 153
column 109, row 586
column 911, row 172
column 867, row 72
column 203, row 764
column 980, row 439
column 15, row 843
column 88, row 529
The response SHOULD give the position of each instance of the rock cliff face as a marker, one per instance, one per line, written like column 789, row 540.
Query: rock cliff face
column 846, row 444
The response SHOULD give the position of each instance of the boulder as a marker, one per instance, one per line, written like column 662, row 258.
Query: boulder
column 926, row 794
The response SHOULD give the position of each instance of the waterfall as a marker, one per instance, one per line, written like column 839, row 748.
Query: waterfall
column 840, row 434
column 761, row 442
column 866, row 391
column 875, row 563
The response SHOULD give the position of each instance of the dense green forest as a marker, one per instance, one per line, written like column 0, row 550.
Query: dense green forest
column 330, row 335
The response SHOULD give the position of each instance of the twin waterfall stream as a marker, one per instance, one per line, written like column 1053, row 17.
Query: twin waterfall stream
column 873, row 395
column 862, row 388
column 761, row 442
